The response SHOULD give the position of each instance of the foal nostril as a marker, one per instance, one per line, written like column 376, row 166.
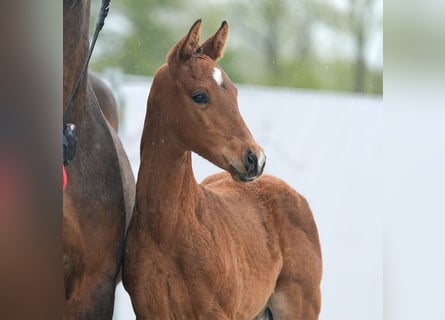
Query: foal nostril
column 251, row 164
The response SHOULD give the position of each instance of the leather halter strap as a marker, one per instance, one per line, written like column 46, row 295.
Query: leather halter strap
column 99, row 25
column 69, row 136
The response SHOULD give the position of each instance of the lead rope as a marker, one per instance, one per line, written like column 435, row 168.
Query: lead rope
column 69, row 136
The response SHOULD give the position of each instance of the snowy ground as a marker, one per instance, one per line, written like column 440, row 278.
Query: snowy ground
column 327, row 147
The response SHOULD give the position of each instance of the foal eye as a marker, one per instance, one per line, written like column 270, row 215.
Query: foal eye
column 200, row 98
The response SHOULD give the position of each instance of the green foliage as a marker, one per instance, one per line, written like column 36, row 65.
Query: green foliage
column 308, row 73
column 270, row 42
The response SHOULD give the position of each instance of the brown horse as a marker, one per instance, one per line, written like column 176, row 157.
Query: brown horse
column 99, row 196
column 233, row 247
column 106, row 100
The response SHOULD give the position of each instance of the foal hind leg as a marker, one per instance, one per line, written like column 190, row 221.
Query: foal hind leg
column 293, row 302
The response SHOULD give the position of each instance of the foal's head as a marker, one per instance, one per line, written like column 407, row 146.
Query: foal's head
column 194, row 98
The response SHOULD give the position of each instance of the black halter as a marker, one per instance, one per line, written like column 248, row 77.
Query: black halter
column 69, row 136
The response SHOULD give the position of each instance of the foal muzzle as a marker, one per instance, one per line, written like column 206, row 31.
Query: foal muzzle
column 253, row 167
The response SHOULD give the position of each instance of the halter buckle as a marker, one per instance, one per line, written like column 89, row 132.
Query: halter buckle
column 69, row 143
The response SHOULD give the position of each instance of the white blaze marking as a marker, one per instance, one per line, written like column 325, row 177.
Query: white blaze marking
column 217, row 75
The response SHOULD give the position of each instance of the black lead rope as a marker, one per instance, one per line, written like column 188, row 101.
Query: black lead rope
column 69, row 134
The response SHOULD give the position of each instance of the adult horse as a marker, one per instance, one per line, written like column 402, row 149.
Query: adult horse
column 233, row 247
column 99, row 196
column 106, row 100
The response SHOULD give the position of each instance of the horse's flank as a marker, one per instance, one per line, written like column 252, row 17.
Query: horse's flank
column 222, row 249
column 106, row 100
column 100, row 191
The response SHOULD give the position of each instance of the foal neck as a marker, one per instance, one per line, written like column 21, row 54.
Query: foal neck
column 166, row 188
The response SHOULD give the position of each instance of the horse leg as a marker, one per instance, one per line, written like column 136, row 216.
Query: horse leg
column 92, row 300
column 292, row 301
column 102, row 299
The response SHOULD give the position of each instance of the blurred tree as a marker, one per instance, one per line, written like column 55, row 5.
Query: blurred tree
column 356, row 20
column 141, row 47
column 360, row 18
column 272, row 11
column 271, row 42
column 276, row 36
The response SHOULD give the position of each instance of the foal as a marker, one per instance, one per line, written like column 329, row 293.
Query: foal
column 232, row 246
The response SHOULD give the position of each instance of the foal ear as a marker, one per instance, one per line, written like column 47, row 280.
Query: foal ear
column 187, row 46
column 214, row 46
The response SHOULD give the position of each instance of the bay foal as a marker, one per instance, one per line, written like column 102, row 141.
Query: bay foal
column 228, row 248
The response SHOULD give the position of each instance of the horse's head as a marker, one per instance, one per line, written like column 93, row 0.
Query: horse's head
column 200, row 106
